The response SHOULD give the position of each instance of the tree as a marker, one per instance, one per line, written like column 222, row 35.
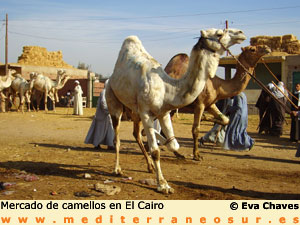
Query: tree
column 83, row 66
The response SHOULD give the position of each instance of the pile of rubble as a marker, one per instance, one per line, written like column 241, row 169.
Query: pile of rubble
column 39, row 56
column 286, row 43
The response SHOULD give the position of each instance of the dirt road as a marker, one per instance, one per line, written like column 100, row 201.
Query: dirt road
column 43, row 157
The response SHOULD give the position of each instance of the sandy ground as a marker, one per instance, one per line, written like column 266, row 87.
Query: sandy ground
column 43, row 156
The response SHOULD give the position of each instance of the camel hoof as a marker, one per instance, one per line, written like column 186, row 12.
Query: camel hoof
column 178, row 155
column 198, row 158
column 118, row 171
column 118, row 174
column 150, row 170
column 167, row 190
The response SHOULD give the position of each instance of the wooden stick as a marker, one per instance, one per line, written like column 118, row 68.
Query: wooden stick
column 293, row 104
column 277, row 79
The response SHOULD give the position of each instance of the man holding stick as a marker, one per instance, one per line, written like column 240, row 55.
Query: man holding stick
column 276, row 109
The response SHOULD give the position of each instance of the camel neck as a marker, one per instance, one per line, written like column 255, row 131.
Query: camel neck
column 237, row 84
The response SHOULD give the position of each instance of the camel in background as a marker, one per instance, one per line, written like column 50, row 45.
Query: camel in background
column 217, row 88
column 47, row 86
column 5, row 82
column 20, row 86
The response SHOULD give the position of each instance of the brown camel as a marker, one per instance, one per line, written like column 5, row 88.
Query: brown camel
column 217, row 88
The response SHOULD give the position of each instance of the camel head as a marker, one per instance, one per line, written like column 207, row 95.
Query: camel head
column 251, row 54
column 33, row 75
column 12, row 72
column 216, row 40
column 61, row 72
column 61, row 79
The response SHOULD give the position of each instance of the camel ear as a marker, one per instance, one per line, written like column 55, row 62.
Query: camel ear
column 203, row 33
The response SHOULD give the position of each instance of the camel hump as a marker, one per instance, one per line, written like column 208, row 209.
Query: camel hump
column 132, row 42
column 133, row 52
column 133, row 38
column 178, row 65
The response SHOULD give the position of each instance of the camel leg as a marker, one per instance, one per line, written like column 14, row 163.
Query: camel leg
column 33, row 95
column 167, row 128
column 115, row 108
column 116, row 125
column 27, row 100
column 220, row 117
column 21, row 106
column 38, row 100
column 138, row 137
column 11, row 99
column 177, row 113
column 53, row 102
column 2, row 95
column 45, row 100
column 198, row 112
column 148, row 123
column 2, row 100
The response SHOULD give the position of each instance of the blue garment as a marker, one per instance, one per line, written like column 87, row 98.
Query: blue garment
column 236, row 137
column 217, row 132
column 101, row 130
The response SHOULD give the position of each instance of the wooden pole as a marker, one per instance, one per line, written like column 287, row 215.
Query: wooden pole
column 277, row 79
column 6, row 47
column 226, row 26
column 285, row 95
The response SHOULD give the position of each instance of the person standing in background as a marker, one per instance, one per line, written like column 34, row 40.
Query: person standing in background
column 78, row 109
column 295, row 119
column 277, row 110
column 264, row 114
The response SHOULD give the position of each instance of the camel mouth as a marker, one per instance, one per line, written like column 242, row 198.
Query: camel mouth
column 240, row 39
column 268, row 50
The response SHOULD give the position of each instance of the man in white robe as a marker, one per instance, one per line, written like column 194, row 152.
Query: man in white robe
column 78, row 109
column 101, row 131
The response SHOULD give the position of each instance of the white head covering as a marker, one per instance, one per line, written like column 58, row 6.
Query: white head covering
column 277, row 92
column 76, row 82
column 270, row 86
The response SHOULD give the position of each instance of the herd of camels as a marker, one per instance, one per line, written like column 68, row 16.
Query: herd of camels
column 15, row 85
column 140, row 84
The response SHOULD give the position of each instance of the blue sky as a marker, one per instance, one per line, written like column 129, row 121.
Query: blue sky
column 92, row 31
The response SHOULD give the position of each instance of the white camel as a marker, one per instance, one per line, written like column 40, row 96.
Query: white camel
column 140, row 83
column 47, row 86
column 61, row 84
column 20, row 86
column 5, row 82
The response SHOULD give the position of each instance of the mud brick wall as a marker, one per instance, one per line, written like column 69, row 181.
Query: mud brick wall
column 39, row 56
column 286, row 43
